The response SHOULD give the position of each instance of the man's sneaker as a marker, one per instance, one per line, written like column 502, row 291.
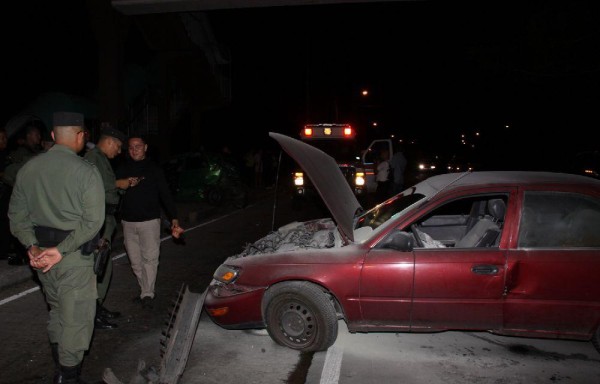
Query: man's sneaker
column 147, row 302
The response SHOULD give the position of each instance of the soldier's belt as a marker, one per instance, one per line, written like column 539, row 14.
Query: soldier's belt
column 51, row 237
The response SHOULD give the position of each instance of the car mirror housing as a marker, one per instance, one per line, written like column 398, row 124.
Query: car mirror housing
column 399, row 240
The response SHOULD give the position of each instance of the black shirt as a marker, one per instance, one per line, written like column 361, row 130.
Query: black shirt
column 143, row 202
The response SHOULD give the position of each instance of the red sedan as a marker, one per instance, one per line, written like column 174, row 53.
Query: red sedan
column 513, row 253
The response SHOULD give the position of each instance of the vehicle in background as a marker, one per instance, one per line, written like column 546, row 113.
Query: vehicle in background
column 512, row 253
column 206, row 176
column 587, row 164
column 357, row 164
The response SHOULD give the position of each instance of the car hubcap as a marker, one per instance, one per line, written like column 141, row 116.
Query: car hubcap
column 297, row 322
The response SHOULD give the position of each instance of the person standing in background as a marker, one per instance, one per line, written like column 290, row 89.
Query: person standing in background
column 398, row 166
column 29, row 145
column 56, row 211
column 141, row 216
column 383, row 177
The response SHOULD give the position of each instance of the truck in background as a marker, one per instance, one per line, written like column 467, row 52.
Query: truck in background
column 358, row 165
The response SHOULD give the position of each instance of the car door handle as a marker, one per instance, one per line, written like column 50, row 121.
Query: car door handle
column 484, row 269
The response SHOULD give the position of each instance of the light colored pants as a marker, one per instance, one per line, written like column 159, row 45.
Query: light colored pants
column 142, row 242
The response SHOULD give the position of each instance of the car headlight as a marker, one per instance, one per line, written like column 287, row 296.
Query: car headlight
column 226, row 274
column 298, row 179
column 359, row 179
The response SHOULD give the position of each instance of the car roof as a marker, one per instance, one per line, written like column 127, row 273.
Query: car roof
column 457, row 180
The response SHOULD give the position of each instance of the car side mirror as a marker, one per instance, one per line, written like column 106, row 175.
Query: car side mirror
column 399, row 240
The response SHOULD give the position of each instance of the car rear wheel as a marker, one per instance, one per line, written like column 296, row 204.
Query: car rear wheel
column 299, row 315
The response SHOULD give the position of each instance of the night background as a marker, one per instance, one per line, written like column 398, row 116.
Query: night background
column 523, row 75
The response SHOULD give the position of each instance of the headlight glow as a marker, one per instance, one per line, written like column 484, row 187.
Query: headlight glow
column 298, row 179
column 226, row 274
column 359, row 179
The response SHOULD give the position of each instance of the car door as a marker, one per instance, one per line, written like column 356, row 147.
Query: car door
column 386, row 289
column 552, row 279
column 460, row 286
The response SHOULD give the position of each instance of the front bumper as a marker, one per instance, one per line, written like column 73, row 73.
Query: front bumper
column 233, row 308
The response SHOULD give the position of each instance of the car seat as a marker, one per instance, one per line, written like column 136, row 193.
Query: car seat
column 486, row 231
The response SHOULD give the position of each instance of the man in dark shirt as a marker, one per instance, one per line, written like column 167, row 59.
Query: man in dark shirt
column 141, row 213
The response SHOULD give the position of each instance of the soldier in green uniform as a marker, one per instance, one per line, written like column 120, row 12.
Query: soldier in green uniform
column 56, row 211
column 108, row 147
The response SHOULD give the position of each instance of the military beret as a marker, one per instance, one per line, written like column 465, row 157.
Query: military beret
column 113, row 132
column 64, row 119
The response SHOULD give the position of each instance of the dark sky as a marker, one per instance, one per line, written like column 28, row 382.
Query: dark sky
column 433, row 69
column 47, row 46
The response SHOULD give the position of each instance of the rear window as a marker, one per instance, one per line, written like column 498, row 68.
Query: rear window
column 557, row 220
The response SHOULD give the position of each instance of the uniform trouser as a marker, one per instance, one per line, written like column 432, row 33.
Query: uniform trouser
column 104, row 281
column 71, row 295
column 142, row 242
column 110, row 223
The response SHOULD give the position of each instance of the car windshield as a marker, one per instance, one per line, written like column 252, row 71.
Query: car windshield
column 381, row 213
column 342, row 150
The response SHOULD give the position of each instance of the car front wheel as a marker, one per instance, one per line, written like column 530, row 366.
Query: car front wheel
column 299, row 315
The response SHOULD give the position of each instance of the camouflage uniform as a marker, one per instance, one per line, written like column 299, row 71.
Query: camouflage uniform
column 60, row 190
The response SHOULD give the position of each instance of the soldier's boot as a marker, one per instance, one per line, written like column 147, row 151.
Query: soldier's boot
column 71, row 375
column 105, row 313
column 57, row 378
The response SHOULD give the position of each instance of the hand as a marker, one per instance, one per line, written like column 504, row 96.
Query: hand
column 46, row 259
column 103, row 243
column 33, row 252
column 133, row 181
column 176, row 230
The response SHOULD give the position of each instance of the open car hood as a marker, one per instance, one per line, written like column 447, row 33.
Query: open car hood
column 327, row 179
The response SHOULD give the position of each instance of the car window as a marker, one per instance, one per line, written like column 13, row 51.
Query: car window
column 473, row 222
column 558, row 219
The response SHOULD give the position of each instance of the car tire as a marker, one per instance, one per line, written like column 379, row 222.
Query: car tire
column 215, row 196
column 299, row 315
column 596, row 339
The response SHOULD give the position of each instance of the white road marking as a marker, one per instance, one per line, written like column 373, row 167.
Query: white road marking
column 332, row 366
column 19, row 295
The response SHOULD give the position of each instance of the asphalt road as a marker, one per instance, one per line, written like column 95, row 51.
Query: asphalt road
column 222, row 356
